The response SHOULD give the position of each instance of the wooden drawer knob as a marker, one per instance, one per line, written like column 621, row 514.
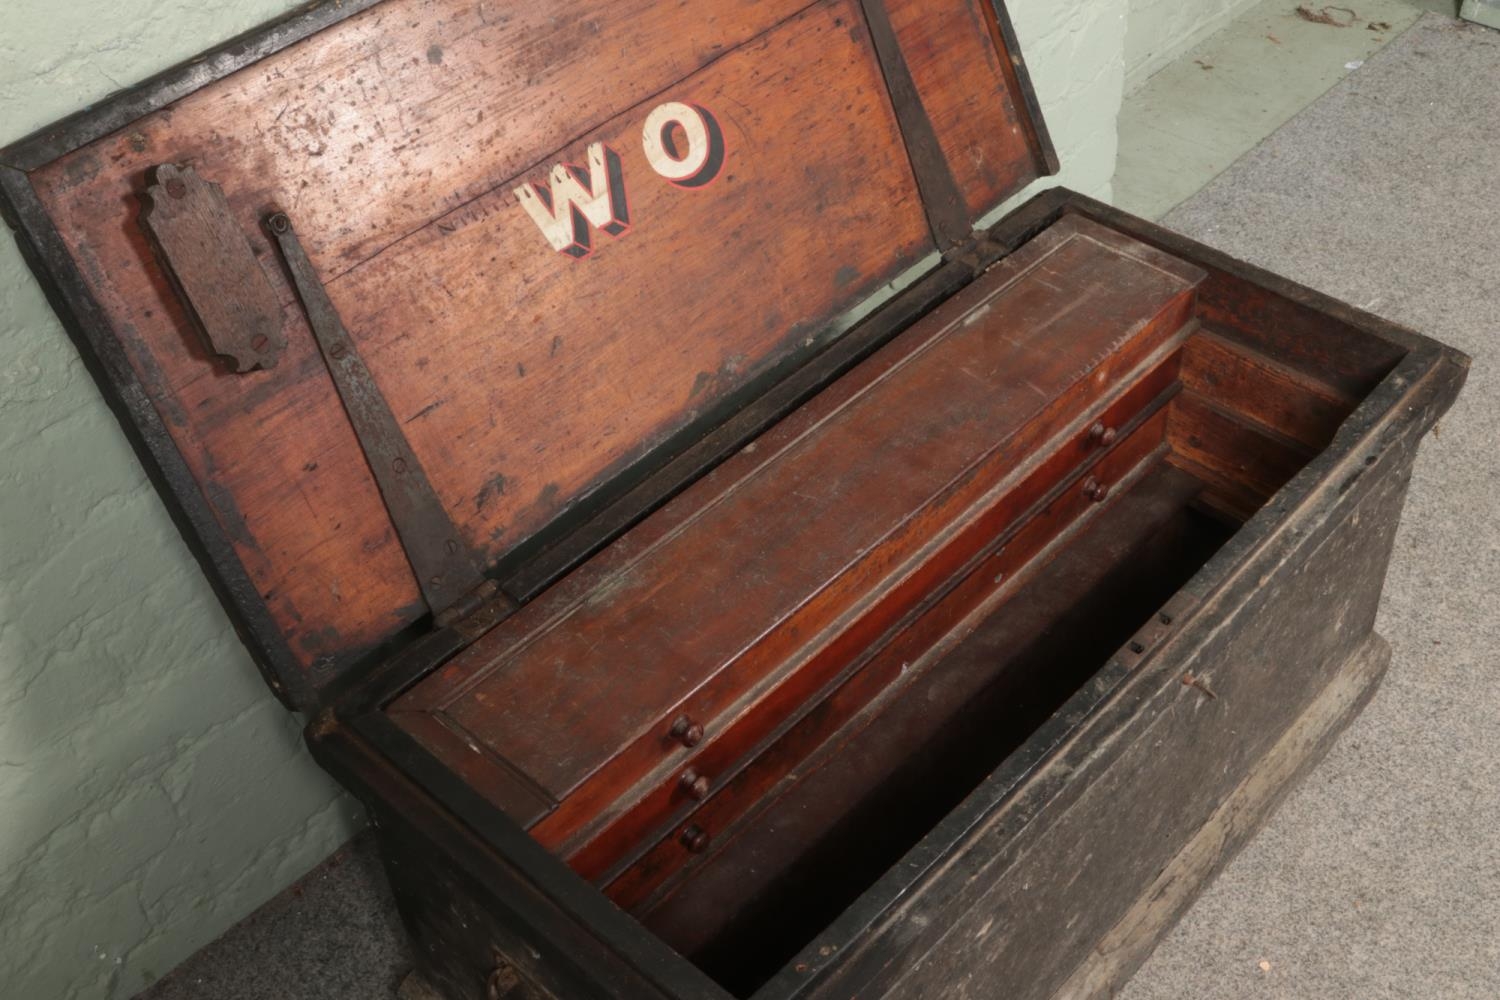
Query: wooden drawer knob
column 1095, row 490
column 1102, row 435
column 504, row 982
column 694, row 838
column 695, row 784
column 686, row 731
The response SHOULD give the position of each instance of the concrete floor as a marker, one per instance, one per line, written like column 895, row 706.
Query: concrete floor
column 1210, row 106
column 1380, row 877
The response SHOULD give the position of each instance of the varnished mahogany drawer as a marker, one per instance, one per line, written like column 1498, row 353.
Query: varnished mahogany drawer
column 736, row 603
column 1000, row 553
column 1078, row 464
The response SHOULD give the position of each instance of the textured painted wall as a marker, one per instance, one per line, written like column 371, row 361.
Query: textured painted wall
column 151, row 790
column 1075, row 52
column 1161, row 30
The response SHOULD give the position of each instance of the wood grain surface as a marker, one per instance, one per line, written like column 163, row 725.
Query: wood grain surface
column 396, row 139
column 753, row 578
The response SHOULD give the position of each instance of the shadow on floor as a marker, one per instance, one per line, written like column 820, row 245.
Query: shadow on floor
column 334, row 934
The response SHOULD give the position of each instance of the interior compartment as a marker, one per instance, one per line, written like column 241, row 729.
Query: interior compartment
column 604, row 712
column 742, row 714
column 984, row 665
column 850, row 814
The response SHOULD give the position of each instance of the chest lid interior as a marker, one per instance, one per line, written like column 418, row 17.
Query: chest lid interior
column 564, row 239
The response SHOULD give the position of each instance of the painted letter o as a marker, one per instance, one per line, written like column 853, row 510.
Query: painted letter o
column 692, row 158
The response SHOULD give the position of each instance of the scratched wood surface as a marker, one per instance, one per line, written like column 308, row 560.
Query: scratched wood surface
column 787, row 562
column 396, row 140
column 963, row 76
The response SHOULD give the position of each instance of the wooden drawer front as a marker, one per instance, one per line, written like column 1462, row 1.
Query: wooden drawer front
column 1044, row 510
column 774, row 562
column 976, row 538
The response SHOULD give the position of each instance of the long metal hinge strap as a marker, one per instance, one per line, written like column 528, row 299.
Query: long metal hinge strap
column 446, row 569
column 977, row 252
column 943, row 202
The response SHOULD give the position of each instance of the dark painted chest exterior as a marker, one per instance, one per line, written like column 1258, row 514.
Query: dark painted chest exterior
column 722, row 565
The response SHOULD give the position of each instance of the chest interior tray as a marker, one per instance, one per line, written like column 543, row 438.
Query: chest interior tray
column 746, row 710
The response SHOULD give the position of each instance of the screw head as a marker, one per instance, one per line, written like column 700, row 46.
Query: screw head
column 176, row 188
column 279, row 223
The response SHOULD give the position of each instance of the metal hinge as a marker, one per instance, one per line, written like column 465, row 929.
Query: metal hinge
column 977, row 252
column 446, row 568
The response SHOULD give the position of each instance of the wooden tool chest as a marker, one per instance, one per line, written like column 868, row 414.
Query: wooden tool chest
column 723, row 565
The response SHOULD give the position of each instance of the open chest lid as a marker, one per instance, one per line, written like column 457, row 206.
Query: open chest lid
column 564, row 239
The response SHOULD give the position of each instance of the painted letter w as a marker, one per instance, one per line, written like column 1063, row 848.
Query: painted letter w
column 577, row 198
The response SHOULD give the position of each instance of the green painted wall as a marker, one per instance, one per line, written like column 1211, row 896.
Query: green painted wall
column 151, row 790
column 1161, row 30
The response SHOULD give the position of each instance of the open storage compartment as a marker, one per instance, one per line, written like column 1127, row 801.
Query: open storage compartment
column 1039, row 571
column 1012, row 644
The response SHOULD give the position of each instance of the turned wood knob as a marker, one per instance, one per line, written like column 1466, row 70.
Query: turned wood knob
column 1095, row 490
column 694, row 838
column 686, row 731
column 694, row 784
column 1102, row 435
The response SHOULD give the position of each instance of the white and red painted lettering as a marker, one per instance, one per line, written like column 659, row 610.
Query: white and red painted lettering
column 578, row 199
column 683, row 143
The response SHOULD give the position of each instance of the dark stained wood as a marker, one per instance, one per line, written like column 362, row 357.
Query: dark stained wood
column 1115, row 959
column 1256, row 387
column 1161, row 731
column 811, row 534
column 871, row 948
column 500, row 892
column 973, row 683
column 993, row 546
column 1245, row 462
column 1323, row 340
column 211, row 265
column 893, row 663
